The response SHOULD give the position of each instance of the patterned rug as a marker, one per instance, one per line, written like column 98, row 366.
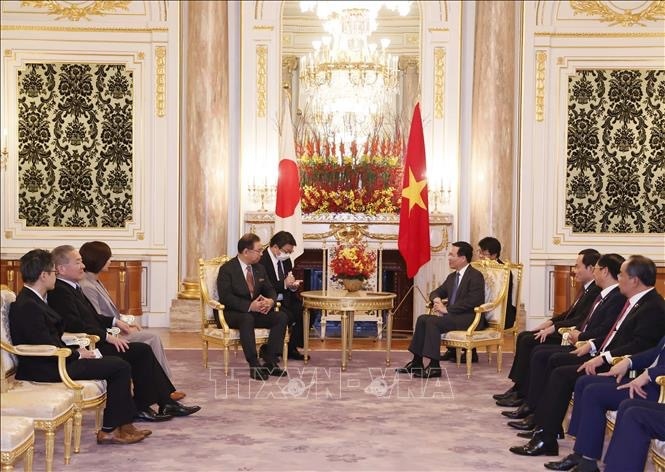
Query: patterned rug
column 321, row 419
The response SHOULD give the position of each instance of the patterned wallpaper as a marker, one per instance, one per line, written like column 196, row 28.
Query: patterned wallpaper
column 615, row 172
column 75, row 144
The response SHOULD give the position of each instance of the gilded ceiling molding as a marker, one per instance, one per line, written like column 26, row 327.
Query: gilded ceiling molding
column 599, row 34
column 74, row 12
column 439, row 81
column 654, row 12
column 83, row 29
column 160, row 86
column 541, row 59
column 261, row 74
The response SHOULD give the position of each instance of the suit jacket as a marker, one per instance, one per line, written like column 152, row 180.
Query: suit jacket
column 577, row 312
column 232, row 286
column 100, row 299
column 511, row 310
column 32, row 321
column 290, row 299
column 644, row 360
column 642, row 328
column 77, row 312
column 604, row 317
column 470, row 293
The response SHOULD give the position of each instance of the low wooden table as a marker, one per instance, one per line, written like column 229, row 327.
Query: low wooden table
column 347, row 303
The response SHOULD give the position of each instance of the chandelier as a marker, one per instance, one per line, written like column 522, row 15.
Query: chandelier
column 347, row 80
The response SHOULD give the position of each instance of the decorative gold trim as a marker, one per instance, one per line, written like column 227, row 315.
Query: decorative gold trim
column 654, row 12
column 140, row 56
column 73, row 11
column 556, row 240
column 9, row 234
column 444, row 241
column 264, row 27
column 160, row 86
column 412, row 39
column 541, row 59
column 261, row 74
column 439, row 81
column 83, row 29
column 190, row 291
column 140, row 235
column 9, row 53
column 628, row 34
column 560, row 61
column 438, row 30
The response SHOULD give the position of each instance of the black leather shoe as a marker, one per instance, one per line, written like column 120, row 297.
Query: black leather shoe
column 296, row 356
column 537, row 447
column 522, row 412
column 258, row 373
column 510, row 392
column 428, row 373
column 151, row 415
column 274, row 370
column 527, row 424
column 449, row 355
column 570, row 461
column 410, row 368
column 577, row 468
column 178, row 409
column 586, row 465
column 511, row 402
column 474, row 357
column 529, row 434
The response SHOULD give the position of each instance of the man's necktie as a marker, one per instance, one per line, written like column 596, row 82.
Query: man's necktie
column 250, row 280
column 610, row 335
column 595, row 305
column 453, row 294
column 579, row 297
column 280, row 271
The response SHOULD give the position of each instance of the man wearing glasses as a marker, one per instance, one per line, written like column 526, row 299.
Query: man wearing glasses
column 249, row 301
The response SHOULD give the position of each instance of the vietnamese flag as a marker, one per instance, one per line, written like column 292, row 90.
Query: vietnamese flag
column 288, row 215
column 413, row 240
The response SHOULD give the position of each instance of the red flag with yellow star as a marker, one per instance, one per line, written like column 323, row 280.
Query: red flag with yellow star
column 413, row 241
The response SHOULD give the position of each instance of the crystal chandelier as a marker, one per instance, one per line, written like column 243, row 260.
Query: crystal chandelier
column 347, row 81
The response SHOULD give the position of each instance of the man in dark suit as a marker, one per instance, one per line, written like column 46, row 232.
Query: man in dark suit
column 32, row 321
column 276, row 260
column 639, row 327
column 547, row 331
column 597, row 394
column 453, row 303
column 249, row 300
column 151, row 385
column 596, row 325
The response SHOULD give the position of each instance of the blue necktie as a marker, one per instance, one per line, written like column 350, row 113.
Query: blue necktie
column 453, row 295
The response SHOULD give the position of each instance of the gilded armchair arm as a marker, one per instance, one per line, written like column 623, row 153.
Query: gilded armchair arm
column 479, row 310
column 579, row 344
column 70, row 338
column 565, row 330
column 616, row 360
column 660, row 380
column 31, row 350
column 215, row 305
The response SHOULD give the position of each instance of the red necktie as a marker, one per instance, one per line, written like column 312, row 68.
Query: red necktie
column 249, row 277
column 596, row 302
column 570, row 310
column 610, row 335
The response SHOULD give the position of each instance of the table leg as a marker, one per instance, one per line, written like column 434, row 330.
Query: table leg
column 345, row 335
column 305, row 333
column 389, row 335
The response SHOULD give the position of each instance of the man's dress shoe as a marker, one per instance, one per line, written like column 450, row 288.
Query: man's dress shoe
column 449, row 355
column 131, row 429
column 578, row 468
column 510, row 392
column 428, row 373
column 177, row 409
column 258, row 373
column 474, row 357
column 511, row 402
column 274, row 370
column 527, row 424
column 296, row 356
column 529, row 434
column 537, row 447
column 570, row 461
column 410, row 368
column 151, row 415
column 522, row 412
column 117, row 436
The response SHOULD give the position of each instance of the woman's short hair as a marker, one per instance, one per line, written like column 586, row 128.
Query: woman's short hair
column 95, row 254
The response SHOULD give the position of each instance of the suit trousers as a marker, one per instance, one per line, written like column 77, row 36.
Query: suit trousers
column 276, row 321
column 638, row 421
column 426, row 341
column 544, row 359
column 151, row 385
column 155, row 342
column 594, row 396
column 120, row 408
column 519, row 372
column 294, row 310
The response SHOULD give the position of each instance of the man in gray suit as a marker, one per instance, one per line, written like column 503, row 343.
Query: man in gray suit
column 453, row 303
column 249, row 301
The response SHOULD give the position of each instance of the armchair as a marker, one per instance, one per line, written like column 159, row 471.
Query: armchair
column 18, row 440
column 224, row 336
column 497, row 277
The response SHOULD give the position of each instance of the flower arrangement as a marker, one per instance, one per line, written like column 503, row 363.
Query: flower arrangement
column 352, row 261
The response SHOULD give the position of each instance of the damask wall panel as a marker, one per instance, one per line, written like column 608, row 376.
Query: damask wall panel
column 615, row 174
column 75, row 160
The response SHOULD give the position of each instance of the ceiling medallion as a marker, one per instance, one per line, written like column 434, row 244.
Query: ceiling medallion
column 76, row 10
column 654, row 12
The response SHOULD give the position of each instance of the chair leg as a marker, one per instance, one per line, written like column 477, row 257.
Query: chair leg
column 78, row 419
column 226, row 360
column 27, row 459
column 499, row 353
column 489, row 354
column 205, row 354
column 68, row 440
column 50, row 446
column 285, row 354
column 98, row 417
column 323, row 327
column 379, row 326
column 469, row 357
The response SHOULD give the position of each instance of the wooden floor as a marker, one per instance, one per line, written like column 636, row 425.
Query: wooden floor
column 183, row 340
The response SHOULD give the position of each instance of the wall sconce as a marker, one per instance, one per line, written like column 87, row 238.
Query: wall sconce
column 262, row 193
column 4, row 154
column 439, row 196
